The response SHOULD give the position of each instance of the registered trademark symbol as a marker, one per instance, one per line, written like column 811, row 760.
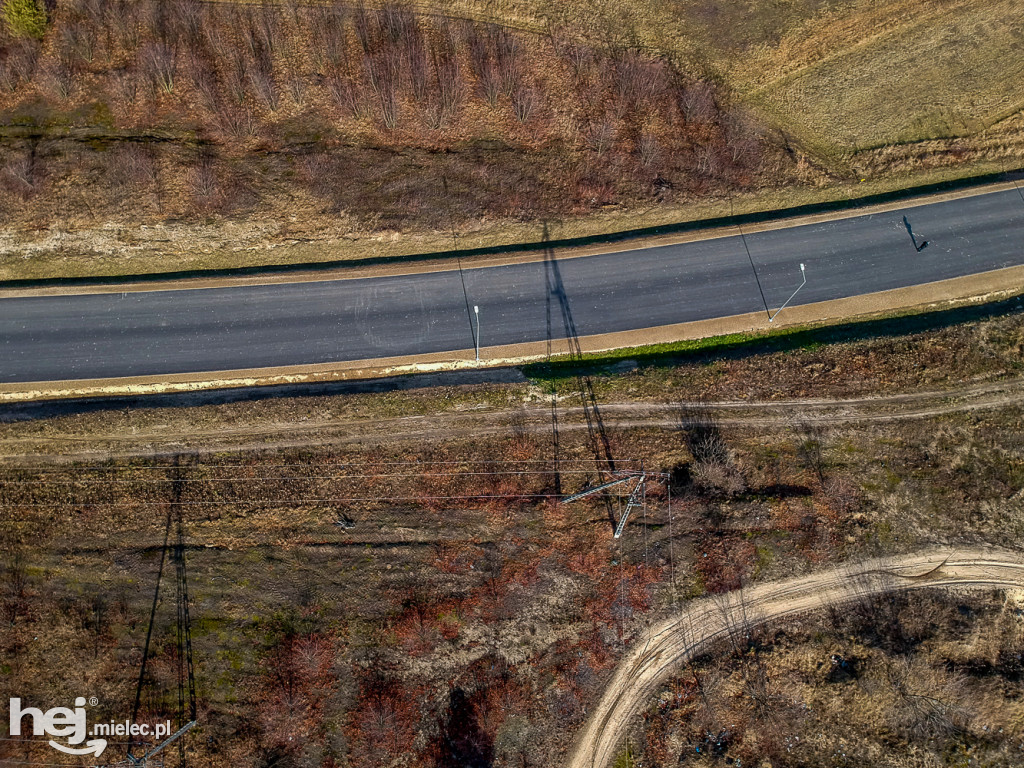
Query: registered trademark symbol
column 93, row 701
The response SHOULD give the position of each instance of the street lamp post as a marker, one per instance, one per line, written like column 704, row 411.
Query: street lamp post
column 771, row 318
column 476, row 311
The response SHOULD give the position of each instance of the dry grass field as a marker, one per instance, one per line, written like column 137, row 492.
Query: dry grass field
column 909, row 72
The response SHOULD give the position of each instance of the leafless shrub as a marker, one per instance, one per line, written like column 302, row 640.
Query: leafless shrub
column 296, row 86
column 264, row 88
column 14, row 585
column 382, row 57
column 648, row 148
column 203, row 180
column 382, row 75
column 60, row 78
column 419, row 65
column 601, row 135
column 639, row 80
column 364, row 28
column 158, row 62
column 742, row 137
column 92, row 12
column 842, row 495
column 184, row 19
column 485, row 69
column 212, row 187
column 317, row 170
column 708, row 161
column 327, row 28
column 399, row 32
column 204, row 80
column 18, row 62
column 157, row 20
column 266, row 23
column 448, row 77
column 76, row 43
column 508, row 58
column 928, row 701
column 135, row 166
column 349, row 95
column 579, row 57
column 697, row 101
column 524, row 98
column 236, row 75
column 216, row 20
column 124, row 86
column 718, row 477
column 714, row 466
column 21, row 174
column 125, row 24
column 240, row 122
column 810, row 448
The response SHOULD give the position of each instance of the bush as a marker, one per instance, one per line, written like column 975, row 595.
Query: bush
column 25, row 18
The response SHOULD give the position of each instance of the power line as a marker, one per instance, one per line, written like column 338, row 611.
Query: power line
column 235, row 465
column 750, row 258
column 334, row 500
column 261, row 479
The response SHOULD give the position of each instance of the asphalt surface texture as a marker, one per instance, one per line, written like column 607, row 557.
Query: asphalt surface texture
column 111, row 335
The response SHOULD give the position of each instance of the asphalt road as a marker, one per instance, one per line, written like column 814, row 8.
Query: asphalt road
column 110, row 335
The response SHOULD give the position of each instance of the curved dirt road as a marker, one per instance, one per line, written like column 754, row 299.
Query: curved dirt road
column 704, row 621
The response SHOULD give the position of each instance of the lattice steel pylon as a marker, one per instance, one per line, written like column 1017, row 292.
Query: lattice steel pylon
column 636, row 498
column 637, row 494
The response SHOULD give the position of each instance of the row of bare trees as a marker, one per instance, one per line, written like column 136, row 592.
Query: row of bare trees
column 269, row 60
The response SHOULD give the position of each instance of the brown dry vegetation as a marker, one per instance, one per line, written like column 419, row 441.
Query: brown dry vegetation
column 459, row 615
column 377, row 120
column 930, row 679
column 144, row 136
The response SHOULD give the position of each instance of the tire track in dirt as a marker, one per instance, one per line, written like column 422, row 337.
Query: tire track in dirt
column 537, row 419
column 708, row 620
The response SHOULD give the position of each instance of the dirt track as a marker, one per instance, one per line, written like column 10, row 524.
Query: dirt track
column 705, row 621
column 533, row 418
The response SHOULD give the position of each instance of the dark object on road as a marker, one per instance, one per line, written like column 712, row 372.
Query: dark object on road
column 917, row 246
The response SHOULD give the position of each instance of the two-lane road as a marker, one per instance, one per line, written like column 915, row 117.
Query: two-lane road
column 110, row 335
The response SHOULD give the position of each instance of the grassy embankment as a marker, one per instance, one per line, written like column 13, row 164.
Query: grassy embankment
column 293, row 137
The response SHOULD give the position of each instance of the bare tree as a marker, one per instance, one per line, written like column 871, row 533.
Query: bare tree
column 21, row 174
column 601, row 135
column 810, row 448
column 714, row 466
column 524, row 98
column 648, row 148
column 507, row 52
column 60, row 77
column 158, row 62
column 447, row 76
column 481, row 59
column 18, row 62
column 929, row 701
column 697, row 100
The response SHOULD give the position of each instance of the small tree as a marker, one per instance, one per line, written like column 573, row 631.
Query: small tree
column 25, row 18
